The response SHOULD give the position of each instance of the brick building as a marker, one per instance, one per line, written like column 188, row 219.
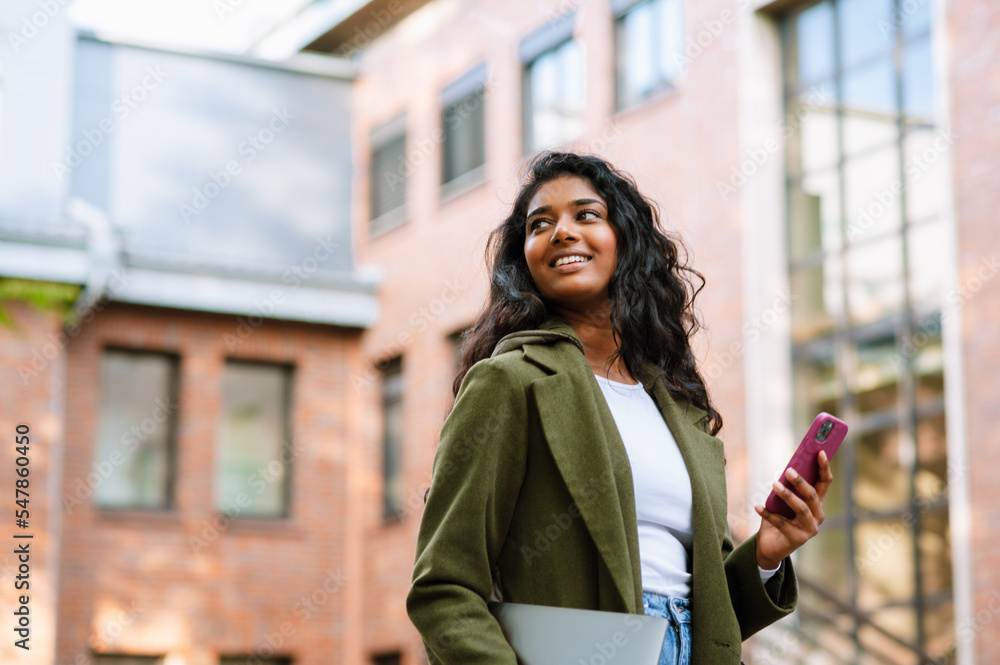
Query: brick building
column 819, row 160
column 187, row 375
column 828, row 165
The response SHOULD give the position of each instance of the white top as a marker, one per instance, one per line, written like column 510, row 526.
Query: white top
column 662, row 488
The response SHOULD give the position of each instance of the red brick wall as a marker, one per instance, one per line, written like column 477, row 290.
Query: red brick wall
column 31, row 376
column 135, row 582
column 975, row 108
column 677, row 145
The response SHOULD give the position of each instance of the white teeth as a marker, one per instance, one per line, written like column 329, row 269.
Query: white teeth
column 570, row 259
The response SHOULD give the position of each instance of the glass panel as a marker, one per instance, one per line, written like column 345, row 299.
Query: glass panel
column 814, row 145
column 823, row 624
column 884, row 563
column 464, row 136
column 635, row 47
column 253, row 460
column 932, row 460
column 939, row 632
column 873, row 195
column 388, row 177
column 926, row 267
column 870, row 92
column 875, row 382
column 817, row 387
column 814, row 214
column 928, row 364
column 913, row 17
column 557, row 95
column 392, row 405
column 918, row 80
column 899, row 621
column 817, row 298
column 882, row 476
column 874, row 280
column 826, row 559
column 864, row 131
column 935, row 553
column 865, row 29
column 814, row 42
column 670, row 38
column 870, row 116
column 926, row 172
column 132, row 456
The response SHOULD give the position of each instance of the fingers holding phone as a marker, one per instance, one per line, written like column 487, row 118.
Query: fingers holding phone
column 794, row 509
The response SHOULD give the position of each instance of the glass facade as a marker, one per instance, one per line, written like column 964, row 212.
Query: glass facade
column 866, row 203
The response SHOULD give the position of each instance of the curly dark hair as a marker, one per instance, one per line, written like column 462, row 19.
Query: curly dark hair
column 651, row 292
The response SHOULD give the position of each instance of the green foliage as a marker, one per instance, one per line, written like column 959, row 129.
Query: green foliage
column 44, row 296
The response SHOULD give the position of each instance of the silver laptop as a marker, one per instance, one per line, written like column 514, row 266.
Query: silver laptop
column 543, row 635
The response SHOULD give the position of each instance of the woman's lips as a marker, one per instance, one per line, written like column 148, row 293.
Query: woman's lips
column 572, row 266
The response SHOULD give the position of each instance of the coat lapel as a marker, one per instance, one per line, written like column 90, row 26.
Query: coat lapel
column 702, row 454
column 585, row 444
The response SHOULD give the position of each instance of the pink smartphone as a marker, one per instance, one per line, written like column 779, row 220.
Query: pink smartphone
column 826, row 433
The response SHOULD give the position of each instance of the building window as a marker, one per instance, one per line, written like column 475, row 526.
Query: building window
column 135, row 443
column 387, row 180
column 254, row 459
column 554, row 86
column 392, row 439
column 649, row 44
column 866, row 202
column 254, row 659
column 123, row 659
column 464, row 129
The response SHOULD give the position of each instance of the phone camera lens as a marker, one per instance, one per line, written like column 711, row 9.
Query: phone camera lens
column 824, row 431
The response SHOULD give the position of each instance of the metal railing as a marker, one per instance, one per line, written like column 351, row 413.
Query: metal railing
column 853, row 651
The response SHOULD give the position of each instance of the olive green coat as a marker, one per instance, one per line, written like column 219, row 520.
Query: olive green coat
column 531, row 501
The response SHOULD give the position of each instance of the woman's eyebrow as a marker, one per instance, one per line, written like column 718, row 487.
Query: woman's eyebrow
column 541, row 210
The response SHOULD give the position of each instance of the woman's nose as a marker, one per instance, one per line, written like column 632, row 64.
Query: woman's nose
column 563, row 232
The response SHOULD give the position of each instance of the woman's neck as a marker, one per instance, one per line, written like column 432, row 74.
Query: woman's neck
column 597, row 336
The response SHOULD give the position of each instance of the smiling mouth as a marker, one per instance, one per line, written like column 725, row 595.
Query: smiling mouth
column 568, row 260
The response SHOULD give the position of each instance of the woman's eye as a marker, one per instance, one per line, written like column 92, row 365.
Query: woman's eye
column 535, row 223
column 596, row 215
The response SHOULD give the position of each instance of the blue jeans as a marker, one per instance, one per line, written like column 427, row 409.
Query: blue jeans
column 677, row 641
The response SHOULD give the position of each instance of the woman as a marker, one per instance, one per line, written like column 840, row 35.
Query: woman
column 579, row 467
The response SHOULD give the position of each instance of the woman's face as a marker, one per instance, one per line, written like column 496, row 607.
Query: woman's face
column 569, row 244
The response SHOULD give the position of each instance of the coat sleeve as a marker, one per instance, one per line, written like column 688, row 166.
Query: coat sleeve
column 477, row 473
column 757, row 604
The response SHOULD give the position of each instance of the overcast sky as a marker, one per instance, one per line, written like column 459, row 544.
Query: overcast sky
column 217, row 25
